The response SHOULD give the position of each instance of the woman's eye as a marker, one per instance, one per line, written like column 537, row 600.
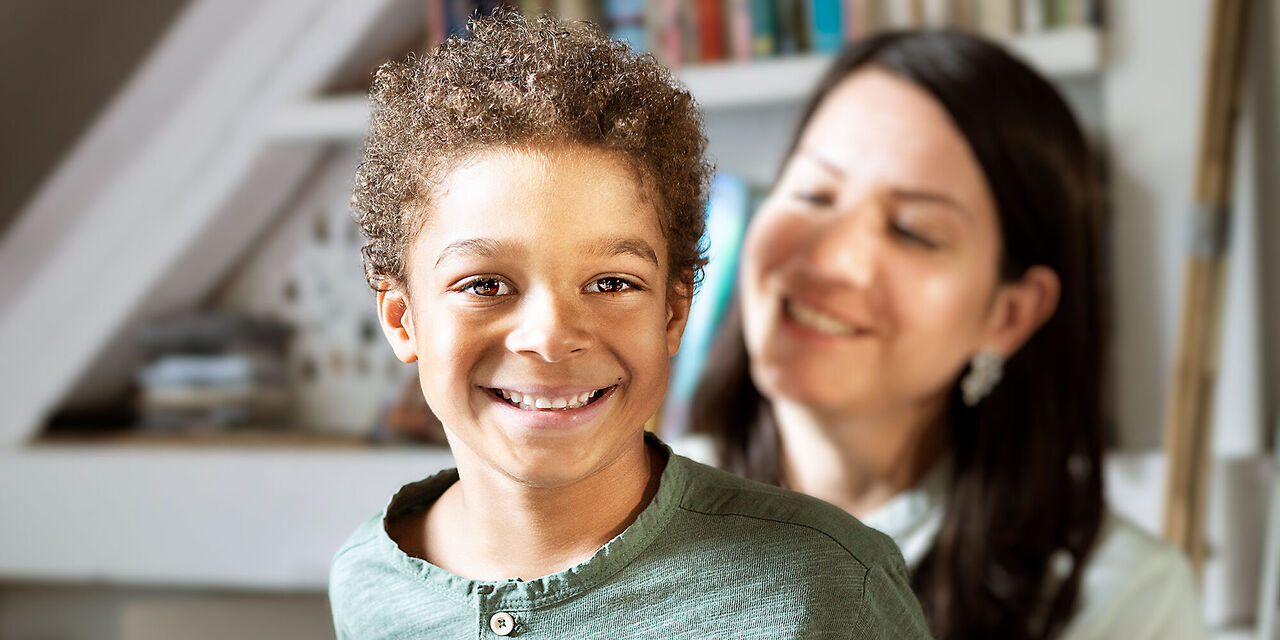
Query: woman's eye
column 487, row 287
column 609, row 285
column 906, row 233
column 815, row 198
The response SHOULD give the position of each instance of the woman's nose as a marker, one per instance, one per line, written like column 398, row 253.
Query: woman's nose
column 847, row 246
column 549, row 328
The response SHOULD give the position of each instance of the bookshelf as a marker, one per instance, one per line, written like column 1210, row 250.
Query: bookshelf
column 238, row 513
column 1068, row 52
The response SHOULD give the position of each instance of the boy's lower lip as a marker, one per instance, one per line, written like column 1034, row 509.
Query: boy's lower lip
column 551, row 418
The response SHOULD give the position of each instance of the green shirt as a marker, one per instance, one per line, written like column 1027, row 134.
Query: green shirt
column 711, row 556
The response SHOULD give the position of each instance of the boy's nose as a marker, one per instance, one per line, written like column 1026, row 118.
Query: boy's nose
column 549, row 329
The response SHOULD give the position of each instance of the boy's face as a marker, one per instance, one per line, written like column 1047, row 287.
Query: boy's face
column 538, row 312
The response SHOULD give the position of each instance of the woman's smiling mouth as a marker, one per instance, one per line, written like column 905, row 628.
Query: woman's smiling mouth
column 818, row 321
column 559, row 402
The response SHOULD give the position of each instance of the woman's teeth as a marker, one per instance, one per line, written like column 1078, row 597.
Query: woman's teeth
column 530, row 402
column 817, row 320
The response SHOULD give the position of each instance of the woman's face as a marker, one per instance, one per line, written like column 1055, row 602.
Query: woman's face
column 870, row 272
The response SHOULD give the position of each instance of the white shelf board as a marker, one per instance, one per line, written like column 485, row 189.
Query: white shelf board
column 1058, row 53
column 249, row 518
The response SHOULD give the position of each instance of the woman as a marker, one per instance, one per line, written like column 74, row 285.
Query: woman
column 921, row 311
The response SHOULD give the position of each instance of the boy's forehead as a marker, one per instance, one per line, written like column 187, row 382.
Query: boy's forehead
column 586, row 200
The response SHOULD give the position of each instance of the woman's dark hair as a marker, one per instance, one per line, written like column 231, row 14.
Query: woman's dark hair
column 1026, row 495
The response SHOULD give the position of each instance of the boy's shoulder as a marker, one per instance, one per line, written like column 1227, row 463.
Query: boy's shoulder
column 716, row 493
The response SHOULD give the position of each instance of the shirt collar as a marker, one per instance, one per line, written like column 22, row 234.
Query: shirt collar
column 514, row 594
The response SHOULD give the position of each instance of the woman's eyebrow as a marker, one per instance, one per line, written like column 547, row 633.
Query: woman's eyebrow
column 928, row 196
column 625, row 246
column 821, row 161
column 478, row 247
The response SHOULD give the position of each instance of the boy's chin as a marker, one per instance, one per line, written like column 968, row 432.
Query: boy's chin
column 551, row 471
column 558, row 469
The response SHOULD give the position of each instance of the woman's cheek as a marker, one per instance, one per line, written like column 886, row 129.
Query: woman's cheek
column 770, row 241
column 945, row 303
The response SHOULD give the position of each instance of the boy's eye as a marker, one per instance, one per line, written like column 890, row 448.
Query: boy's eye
column 609, row 285
column 487, row 287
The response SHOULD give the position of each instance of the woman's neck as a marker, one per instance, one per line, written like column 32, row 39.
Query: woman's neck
column 857, row 463
column 488, row 526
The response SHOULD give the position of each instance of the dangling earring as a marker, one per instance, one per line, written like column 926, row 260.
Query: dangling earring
column 985, row 370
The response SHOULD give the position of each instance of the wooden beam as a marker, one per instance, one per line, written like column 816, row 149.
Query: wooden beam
column 1187, row 427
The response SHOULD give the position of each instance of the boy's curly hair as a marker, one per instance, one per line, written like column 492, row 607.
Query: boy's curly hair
column 523, row 83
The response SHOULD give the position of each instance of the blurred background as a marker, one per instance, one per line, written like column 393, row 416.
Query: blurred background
column 197, row 405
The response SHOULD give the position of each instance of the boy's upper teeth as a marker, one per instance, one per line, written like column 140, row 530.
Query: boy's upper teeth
column 817, row 320
column 531, row 402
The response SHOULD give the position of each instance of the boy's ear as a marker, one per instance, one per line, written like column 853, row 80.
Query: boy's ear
column 679, row 297
column 397, row 323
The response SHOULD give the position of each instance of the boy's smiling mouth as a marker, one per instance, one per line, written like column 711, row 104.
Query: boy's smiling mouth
column 529, row 401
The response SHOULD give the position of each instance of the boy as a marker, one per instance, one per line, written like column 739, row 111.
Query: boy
column 533, row 199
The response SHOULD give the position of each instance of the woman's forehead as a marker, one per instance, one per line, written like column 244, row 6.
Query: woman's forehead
column 878, row 126
column 873, row 110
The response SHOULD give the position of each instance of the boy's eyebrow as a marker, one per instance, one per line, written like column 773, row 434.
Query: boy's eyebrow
column 626, row 246
column 480, row 247
column 488, row 248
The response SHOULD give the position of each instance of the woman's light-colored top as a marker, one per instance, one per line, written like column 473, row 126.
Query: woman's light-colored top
column 1134, row 586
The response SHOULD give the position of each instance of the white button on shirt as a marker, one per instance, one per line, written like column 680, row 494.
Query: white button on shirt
column 502, row 623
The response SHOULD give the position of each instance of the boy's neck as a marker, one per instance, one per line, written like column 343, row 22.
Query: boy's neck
column 488, row 526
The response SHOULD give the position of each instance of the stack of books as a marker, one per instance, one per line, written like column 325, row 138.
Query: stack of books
column 683, row 32
column 213, row 371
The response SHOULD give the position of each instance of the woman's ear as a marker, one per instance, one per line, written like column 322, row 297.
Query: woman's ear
column 397, row 323
column 679, row 297
column 1021, row 308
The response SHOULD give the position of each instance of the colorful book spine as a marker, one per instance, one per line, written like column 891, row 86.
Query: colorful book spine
column 456, row 19
column 709, row 19
column 727, row 213
column 998, row 18
column 936, row 14
column 791, row 27
column 901, row 14
column 764, row 28
column 436, row 16
column 826, row 23
column 534, row 8
column 577, row 10
column 964, row 14
column 1032, row 15
column 625, row 21
column 1060, row 13
column 662, row 22
column 689, row 39
column 738, row 22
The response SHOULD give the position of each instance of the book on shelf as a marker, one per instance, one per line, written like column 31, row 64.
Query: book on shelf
column 624, row 19
column 764, row 28
column 213, row 370
column 728, row 210
column 738, row 29
column 710, row 30
column 827, row 25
